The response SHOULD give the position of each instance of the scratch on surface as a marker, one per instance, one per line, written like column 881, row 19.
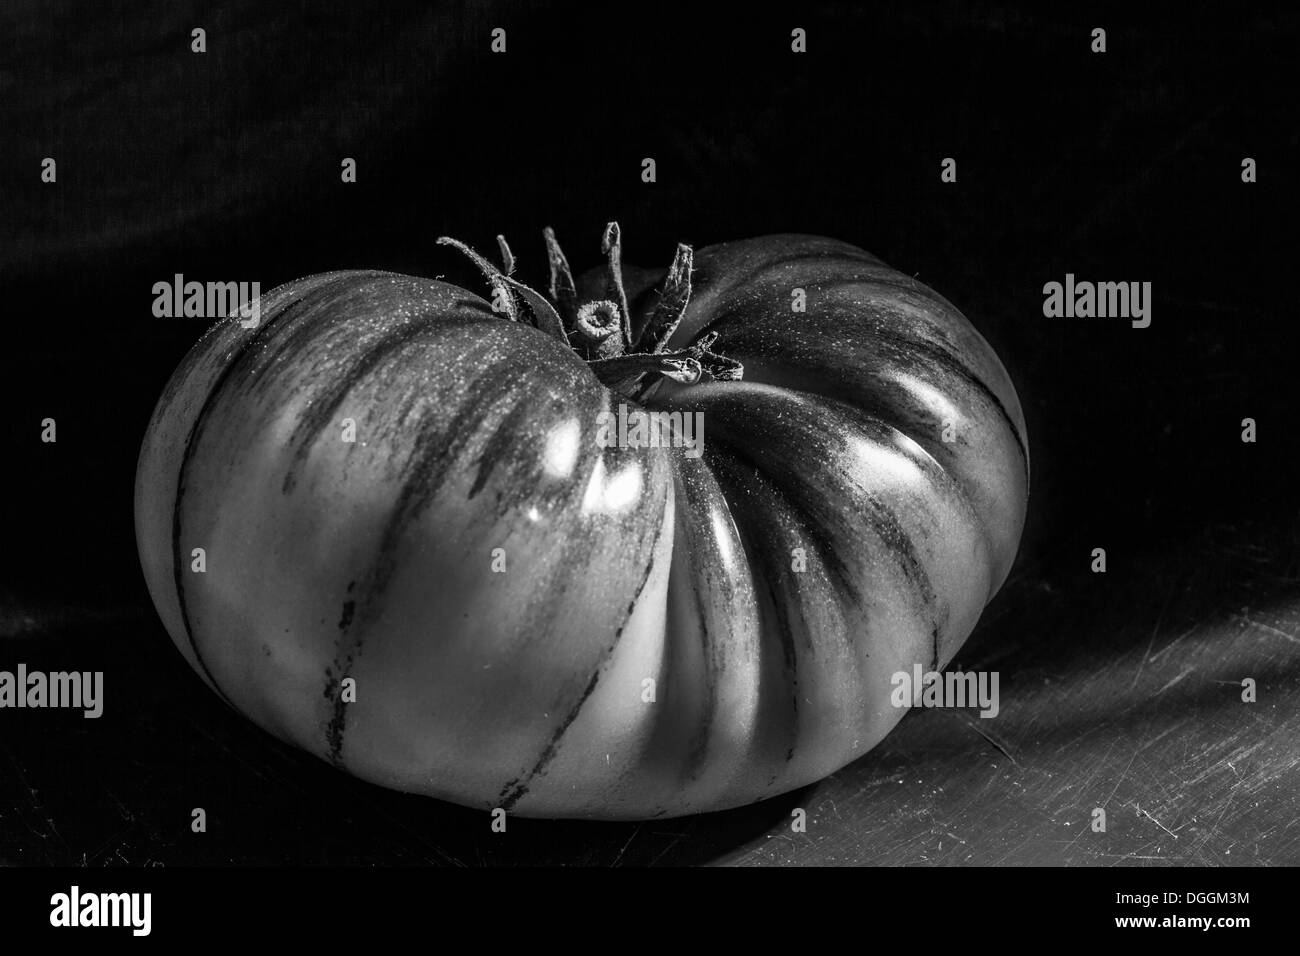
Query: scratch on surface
column 1146, row 814
column 1097, row 765
column 660, row 855
column 1121, row 779
column 1170, row 646
column 1214, row 827
column 1001, row 747
column 33, row 797
column 1269, row 628
column 626, row 845
column 115, row 842
column 1159, row 737
column 1146, row 655
column 1174, row 681
column 127, row 815
column 1216, row 766
column 1132, row 854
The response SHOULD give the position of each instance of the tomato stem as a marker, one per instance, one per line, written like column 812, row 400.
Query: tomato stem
column 601, row 330
column 507, row 258
column 623, row 371
column 563, row 291
column 612, row 245
column 491, row 273
column 685, row 366
column 672, row 303
column 597, row 329
column 544, row 315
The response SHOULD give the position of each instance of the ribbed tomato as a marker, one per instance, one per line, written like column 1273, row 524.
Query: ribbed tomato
column 534, row 621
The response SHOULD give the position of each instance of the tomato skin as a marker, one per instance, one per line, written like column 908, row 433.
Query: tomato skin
column 530, row 688
column 878, row 340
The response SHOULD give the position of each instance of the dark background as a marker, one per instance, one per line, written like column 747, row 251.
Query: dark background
column 1119, row 690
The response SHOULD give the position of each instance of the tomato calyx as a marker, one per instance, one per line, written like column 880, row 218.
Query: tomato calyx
column 600, row 330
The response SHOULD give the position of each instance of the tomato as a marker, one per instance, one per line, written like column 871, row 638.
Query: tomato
column 481, row 600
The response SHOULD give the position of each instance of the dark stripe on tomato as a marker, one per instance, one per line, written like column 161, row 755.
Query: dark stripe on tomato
column 264, row 330
column 699, row 745
column 753, row 501
column 517, row 788
column 760, row 339
column 790, row 659
column 947, row 360
column 700, row 742
column 698, row 567
column 882, row 520
column 437, row 449
column 811, row 530
column 326, row 401
column 499, row 448
column 819, row 518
